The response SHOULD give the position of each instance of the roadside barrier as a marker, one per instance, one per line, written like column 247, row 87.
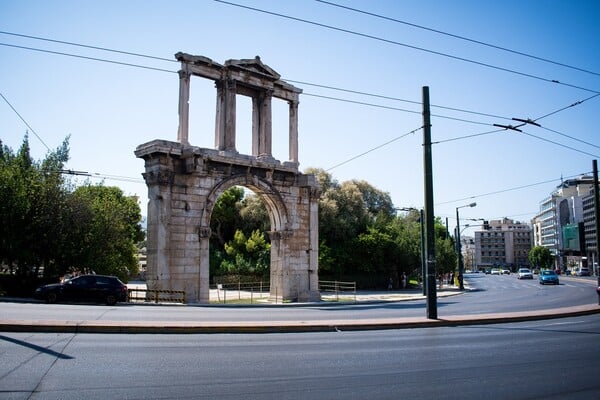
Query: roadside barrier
column 156, row 296
column 331, row 290
column 242, row 291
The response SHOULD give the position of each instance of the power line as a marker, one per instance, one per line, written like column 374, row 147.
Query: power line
column 460, row 37
column 301, row 82
column 87, row 58
column 504, row 190
column 393, row 42
column 393, row 98
column 102, row 176
column 25, row 122
column 374, row 148
column 171, row 60
column 467, row 136
column 87, row 46
column 571, row 137
column 567, row 107
column 561, row 145
column 314, row 95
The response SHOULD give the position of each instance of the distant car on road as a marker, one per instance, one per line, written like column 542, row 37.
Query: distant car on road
column 524, row 273
column 548, row 276
column 583, row 272
column 495, row 271
column 87, row 288
column 505, row 271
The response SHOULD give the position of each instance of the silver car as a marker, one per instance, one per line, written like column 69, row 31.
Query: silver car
column 524, row 273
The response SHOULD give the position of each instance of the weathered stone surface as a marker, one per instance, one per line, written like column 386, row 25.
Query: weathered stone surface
column 184, row 183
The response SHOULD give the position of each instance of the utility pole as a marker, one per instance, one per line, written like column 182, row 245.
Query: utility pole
column 423, row 257
column 597, row 216
column 428, row 210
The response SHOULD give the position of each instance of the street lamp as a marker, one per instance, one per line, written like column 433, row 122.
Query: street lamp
column 458, row 247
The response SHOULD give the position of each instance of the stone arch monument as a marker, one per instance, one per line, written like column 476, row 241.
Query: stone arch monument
column 184, row 183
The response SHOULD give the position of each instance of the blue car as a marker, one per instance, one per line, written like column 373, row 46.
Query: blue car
column 548, row 276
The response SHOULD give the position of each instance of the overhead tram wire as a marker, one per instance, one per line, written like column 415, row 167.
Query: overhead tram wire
column 25, row 122
column 317, row 85
column 374, row 148
column 394, row 99
column 87, row 58
column 505, row 190
column 526, row 122
column 87, row 46
column 396, row 43
column 175, row 61
column 290, row 80
column 101, row 176
column 493, row 46
column 307, row 94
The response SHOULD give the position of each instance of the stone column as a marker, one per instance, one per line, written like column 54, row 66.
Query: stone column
column 159, row 183
column 293, row 145
column 277, row 285
column 220, row 116
column 184, row 106
column 256, row 122
column 266, row 125
column 203, row 284
column 313, row 256
column 230, row 105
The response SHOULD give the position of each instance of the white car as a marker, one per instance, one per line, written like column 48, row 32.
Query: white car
column 495, row 271
column 524, row 273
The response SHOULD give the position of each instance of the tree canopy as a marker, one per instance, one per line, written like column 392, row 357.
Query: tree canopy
column 540, row 257
column 47, row 228
column 361, row 237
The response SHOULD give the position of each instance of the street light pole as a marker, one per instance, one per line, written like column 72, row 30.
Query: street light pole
column 458, row 248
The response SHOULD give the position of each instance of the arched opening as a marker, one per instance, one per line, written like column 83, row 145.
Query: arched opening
column 239, row 246
column 276, row 210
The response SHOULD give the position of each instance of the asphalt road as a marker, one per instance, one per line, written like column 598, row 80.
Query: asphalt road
column 553, row 359
column 488, row 294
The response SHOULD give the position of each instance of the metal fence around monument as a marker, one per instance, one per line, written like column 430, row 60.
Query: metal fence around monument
column 337, row 291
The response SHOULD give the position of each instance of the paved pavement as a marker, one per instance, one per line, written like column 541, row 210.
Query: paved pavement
column 180, row 327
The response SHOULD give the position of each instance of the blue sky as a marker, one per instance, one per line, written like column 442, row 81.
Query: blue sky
column 109, row 109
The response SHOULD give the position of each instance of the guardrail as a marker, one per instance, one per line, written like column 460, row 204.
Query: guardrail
column 155, row 296
column 242, row 291
column 331, row 290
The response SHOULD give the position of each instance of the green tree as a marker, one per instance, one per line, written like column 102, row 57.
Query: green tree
column 540, row 257
column 247, row 255
column 110, row 229
column 225, row 216
column 32, row 213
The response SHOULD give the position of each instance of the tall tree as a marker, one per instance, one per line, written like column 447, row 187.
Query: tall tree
column 540, row 257
column 112, row 232
column 31, row 208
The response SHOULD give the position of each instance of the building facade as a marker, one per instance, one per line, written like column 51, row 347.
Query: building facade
column 503, row 243
column 560, row 213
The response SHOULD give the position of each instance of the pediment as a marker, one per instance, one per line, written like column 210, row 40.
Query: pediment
column 254, row 65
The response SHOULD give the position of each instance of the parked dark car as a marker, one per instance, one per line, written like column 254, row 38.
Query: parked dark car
column 87, row 288
column 548, row 276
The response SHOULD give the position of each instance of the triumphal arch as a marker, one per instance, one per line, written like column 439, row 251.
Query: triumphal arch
column 184, row 183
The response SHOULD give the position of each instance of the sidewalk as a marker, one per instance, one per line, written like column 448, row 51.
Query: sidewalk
column 202, row 327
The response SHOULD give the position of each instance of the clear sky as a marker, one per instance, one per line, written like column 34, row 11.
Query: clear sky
column 109, row 109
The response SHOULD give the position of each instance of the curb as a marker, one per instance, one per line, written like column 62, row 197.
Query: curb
column 191, row 327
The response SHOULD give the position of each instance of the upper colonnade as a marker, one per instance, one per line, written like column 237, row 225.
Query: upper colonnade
column 247, row 77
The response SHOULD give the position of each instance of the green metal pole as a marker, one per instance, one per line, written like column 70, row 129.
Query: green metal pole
column 459, row 251
column 423, row 257
column 597, row 217
column 429, row 215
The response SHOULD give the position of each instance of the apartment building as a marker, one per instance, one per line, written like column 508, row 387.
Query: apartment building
column 561, row 218
column 503, row 243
